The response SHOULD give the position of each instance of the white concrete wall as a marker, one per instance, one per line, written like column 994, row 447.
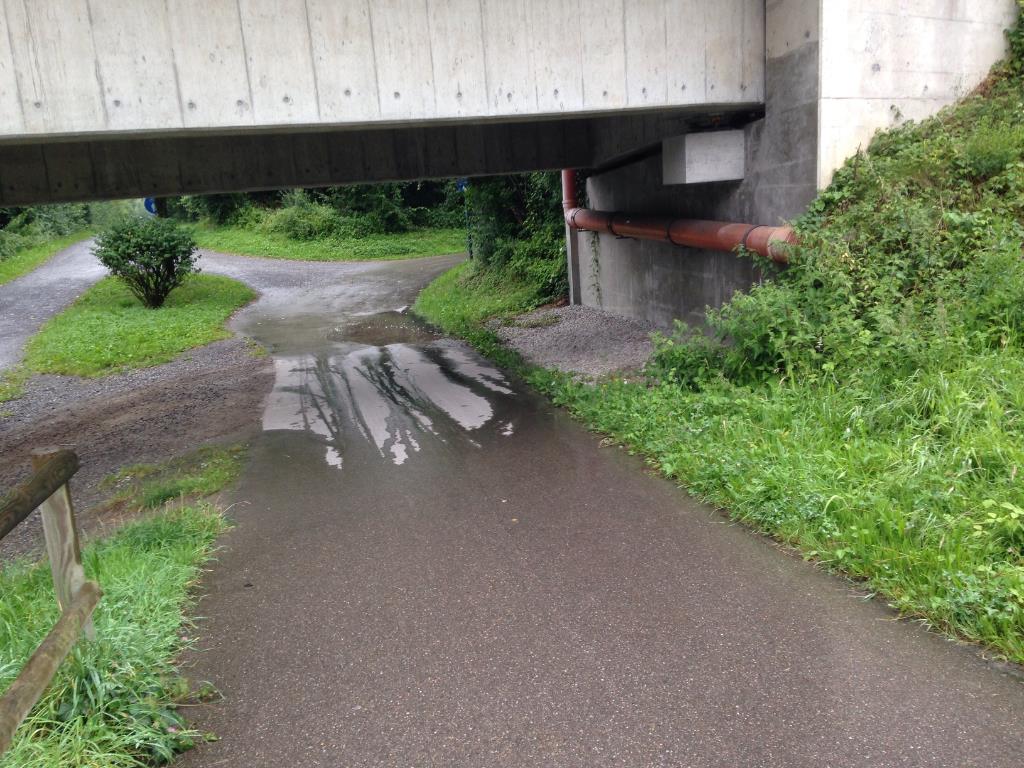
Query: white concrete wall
column 79, row 67
column 884, row 61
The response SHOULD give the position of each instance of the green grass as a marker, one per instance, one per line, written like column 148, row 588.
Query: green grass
column 26, row 260
column 463, row 297
column 403, row 245
column 107, row 330
column 461, row 300
column 199, row 473
column 115, row 702
column 930, row 521
column 866, row 405
column 12, row 383
column 112, row 703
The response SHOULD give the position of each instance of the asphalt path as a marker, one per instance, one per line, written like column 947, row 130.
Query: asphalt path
column 32, row 299
column 433, row 567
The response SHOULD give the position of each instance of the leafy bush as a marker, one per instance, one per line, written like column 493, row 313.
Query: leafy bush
column 516, row 230
column 1014, row 64
column 220, row 209
column 152, row 256
column 28, row 227
column 303, row 219
column 381, row 208
column 991, row 149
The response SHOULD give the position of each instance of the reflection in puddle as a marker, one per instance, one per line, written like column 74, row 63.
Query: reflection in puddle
column 391, row 396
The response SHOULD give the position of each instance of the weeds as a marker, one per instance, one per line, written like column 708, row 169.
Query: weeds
column 200, row 473
column 113, row 702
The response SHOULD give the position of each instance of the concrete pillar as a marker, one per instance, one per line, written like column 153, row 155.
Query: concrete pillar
column 572, row 255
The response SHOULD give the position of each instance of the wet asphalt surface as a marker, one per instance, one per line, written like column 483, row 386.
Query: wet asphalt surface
column 433, row 567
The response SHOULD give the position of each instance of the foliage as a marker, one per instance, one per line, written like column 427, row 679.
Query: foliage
column 151, row 256
column 866, row 404
column 403, row 245
column 219, row 209
column 1014, row 64
column 516, row 231
column 107, row 330
column 113, row 702
column 333, row 213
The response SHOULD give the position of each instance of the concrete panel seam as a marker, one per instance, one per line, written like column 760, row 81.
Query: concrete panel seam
column 174, row 63
column 96, row 64
column 312, row 58
column 245, row 55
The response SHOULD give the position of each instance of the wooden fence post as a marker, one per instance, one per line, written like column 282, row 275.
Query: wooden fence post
column 62, row 542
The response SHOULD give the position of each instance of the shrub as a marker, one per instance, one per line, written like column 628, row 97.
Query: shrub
column 220, row 209
column 516, row 228
column 1015, row 36
column 152, row 256
column 303, row 219
column 381, row 208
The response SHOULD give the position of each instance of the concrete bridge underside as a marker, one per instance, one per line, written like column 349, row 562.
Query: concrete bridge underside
column 121, row 167
column 125, row 97
column 122, row 98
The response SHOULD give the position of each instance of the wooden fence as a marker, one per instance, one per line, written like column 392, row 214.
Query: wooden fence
column 48, row 490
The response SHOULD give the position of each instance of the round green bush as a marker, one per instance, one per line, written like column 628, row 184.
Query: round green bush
column 152, row 256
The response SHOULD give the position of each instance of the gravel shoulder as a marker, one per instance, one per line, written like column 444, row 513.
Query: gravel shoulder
column 210, row 394
column 578, row 339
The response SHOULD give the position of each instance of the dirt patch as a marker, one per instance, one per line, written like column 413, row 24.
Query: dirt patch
column 578, row 339
column 211, row 394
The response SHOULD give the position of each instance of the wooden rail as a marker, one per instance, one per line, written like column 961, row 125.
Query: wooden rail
column 48, row 491
column 52, row 470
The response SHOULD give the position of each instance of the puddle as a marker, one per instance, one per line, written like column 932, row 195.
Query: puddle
column 385, row 328
column 381, row 382
column 398, row 398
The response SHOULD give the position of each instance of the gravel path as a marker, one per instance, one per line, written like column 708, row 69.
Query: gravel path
column 578, row 339
column 211, row 394
column 32, row 299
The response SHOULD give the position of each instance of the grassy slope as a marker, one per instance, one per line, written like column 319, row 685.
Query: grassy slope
column 462, row 298
column 404, row 245
column 107, row 330
column 25, row 261
column 870, row 408
column 114, row 702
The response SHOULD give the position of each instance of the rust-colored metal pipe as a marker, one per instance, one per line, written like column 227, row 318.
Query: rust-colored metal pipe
column 770, row 242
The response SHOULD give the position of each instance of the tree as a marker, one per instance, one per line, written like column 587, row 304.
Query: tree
column 152, row 256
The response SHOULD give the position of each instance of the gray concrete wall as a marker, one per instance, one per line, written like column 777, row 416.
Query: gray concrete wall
column 658, row 282
column 836, row 72
column 893, row 60
column 175, row 67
